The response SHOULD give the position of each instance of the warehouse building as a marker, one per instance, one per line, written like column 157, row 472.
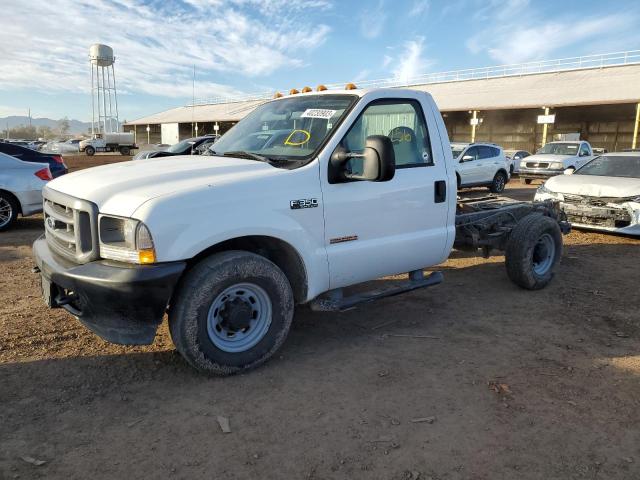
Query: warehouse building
column 595, row 98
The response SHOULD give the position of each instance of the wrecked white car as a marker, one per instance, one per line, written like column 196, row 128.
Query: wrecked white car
column 604, row 194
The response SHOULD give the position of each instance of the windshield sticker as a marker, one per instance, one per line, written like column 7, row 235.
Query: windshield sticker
column 318, row 113
column 297, row 138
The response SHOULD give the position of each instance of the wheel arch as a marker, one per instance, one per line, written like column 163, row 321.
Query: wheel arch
column 15, row 198
column 280, row 252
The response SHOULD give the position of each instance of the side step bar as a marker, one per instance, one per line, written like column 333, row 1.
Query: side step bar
column 334, row 301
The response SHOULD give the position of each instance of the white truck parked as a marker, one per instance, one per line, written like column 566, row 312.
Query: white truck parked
column 361, row 184
column 122, row 142
column 553, row 159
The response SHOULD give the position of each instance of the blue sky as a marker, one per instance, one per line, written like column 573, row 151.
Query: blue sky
column 246, row 46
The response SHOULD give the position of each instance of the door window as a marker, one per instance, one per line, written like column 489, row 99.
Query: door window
column 584, row 150
column 486, row 152
column 472, row 152
column 403, row 122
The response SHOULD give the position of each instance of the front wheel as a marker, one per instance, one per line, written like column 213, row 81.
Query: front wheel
column 232, row 312
column 90, row 151
column 8, row 211
column 499, row 182
column 533, row 251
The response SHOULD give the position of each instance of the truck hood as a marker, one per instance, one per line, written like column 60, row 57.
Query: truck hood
column 120, row 188
column 594, row 186
column 547, row 157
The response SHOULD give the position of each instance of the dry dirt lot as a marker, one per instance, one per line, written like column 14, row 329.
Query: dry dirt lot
column 474, row 379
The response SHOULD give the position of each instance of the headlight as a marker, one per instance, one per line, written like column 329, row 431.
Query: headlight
column 125, row 240
column 543, row 190
column 556, row 166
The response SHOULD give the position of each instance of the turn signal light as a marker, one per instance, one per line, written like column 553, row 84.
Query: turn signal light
column 293, row 91
column 350, row 86
column 278, row 95
column 307, row 90
column 146, row 256
column 320, row 88
column 44, row 174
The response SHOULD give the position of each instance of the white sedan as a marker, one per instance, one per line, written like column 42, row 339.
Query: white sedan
column 603, row 194
column 20, row 188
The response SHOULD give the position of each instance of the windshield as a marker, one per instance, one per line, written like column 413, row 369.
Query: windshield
column 292, row 128
column 181, row 146
column 456, row 150
column 612, row 166
column 559, row 149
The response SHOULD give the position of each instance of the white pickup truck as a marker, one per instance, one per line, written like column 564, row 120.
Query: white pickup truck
column 553, row 159
column 346, row 186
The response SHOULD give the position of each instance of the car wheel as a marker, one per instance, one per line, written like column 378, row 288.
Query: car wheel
column 526, row 181
column 499, row 182
column 90, row 151
column 231, row 313
column 533, row 251
column 125, row 151
column 8, row 210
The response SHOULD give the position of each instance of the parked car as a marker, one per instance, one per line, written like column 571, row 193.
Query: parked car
column 599, row 150
column 190, row 146
column 515, row 157
column 20, row 188
column 362, row 187
column 68, row 146
column 553, row 159
column 481, row 165
column 603, row 194
column 55, row 161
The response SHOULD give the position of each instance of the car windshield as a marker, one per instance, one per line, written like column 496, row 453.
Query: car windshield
column 559, row 149
column 180, row 146
column 288, row 129
column 612, row 166
column 456, row 150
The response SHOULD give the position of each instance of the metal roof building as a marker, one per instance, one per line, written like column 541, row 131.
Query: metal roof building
column 596, row 97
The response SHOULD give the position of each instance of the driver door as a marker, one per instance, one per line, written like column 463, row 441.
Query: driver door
column 373, row 229
column 469, row 167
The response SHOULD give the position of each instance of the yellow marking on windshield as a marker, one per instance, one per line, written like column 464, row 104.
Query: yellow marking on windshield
column 307, row 137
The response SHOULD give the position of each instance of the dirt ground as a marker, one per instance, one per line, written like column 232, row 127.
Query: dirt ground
column 473, row 379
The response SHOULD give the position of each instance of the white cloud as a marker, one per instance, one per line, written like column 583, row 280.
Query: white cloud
column 419, row 8
column 372, row 20
column 411, row 62
column 517, row 33
column 44, row 45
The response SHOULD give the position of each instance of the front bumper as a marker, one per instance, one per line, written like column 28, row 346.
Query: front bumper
column 120, row 303
column 537, row 173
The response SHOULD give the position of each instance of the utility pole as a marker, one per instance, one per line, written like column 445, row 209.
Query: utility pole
column 545, row 127
column 635, row 128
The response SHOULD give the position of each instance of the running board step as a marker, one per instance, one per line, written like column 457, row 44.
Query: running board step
column 334, row 301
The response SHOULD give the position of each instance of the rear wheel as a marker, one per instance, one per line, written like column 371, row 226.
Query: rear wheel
column 499, row 182
column 232, row 312
column 8, row 211
column 533, row 251
column 125, row 151
column 90, row 151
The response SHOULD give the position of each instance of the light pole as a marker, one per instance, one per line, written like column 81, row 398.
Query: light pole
column 216, row 127
column 148, row 130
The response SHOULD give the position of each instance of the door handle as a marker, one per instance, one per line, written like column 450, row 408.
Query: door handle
column 439, row 191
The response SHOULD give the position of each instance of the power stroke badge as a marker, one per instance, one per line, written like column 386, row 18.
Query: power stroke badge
column 303, row 203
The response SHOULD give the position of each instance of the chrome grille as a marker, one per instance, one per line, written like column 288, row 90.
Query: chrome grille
column 70, row 226
column 537, row 164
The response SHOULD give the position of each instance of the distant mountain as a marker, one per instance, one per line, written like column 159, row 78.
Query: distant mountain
column 76, row 126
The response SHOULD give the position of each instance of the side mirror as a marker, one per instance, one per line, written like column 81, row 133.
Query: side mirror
column 378, row 162
column 467, row 158
column 568, row 171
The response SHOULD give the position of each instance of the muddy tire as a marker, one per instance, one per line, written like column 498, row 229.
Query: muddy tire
column 499, row 182
column 8, row 211
column 125, row 151
column 231, row 312
column 90, row 151
column 533, row 251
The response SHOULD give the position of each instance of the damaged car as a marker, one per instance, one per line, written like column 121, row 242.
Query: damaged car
column 604, row 194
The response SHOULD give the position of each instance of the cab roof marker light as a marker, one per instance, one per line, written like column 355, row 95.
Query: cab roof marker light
column 277, row 95
column 350, row 86
column 307, row 90
column 320, row 88
column 293, row 91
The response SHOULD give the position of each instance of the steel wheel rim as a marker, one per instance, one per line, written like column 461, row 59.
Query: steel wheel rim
column 544, row 253
column 500, row 183
column 6, row 212
column 233, row 302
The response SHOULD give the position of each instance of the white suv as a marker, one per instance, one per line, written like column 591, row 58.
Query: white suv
column 481, row 165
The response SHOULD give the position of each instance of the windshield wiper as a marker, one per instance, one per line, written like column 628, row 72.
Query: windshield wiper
column 249, row 155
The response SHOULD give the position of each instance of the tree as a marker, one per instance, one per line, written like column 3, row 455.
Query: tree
column 64, row 126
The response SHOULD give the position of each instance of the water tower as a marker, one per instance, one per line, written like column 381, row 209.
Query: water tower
column 104, row 99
